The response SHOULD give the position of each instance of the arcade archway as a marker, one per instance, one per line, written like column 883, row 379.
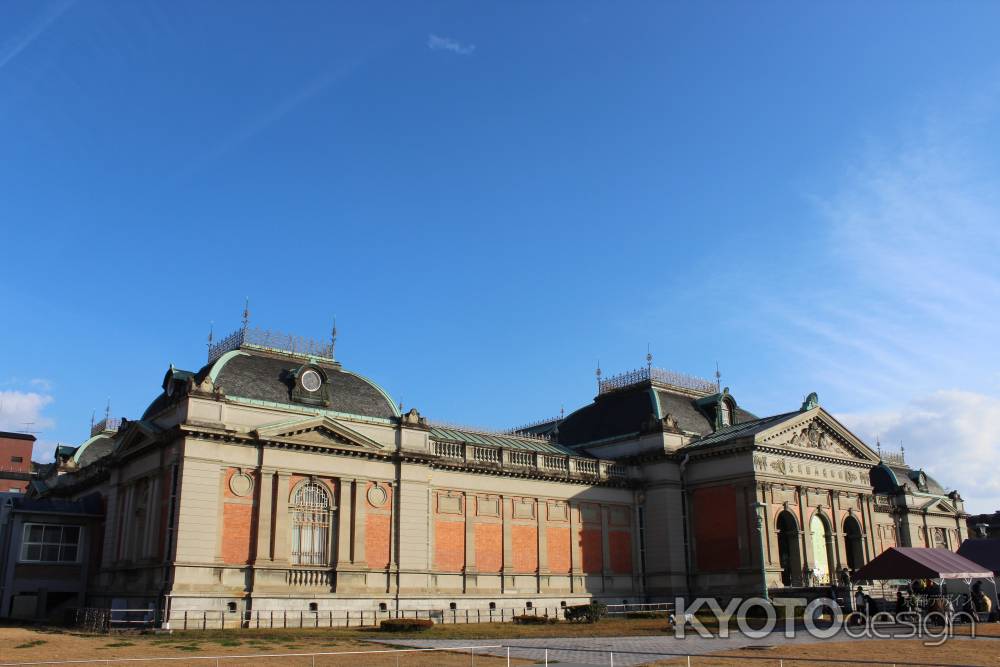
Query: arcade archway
column 853, row 544
column 789, row 555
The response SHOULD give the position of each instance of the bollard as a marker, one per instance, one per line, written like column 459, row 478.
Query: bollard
column 689, row 661
column 612, row 659
column 508, row 656
column 546, row 657
column 473, row 656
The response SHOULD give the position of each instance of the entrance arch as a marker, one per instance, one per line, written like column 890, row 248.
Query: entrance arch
column 788, row 548
column 822, row 547
column 853, row 544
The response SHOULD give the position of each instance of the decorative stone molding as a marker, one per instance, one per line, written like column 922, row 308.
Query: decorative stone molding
column 241, row 484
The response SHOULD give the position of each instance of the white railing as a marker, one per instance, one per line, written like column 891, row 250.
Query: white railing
column 617, row 471
column 587, row 466
column 451, row 450
column 526, row 459
column 315, row 578
column 486, row 455
column 555, row 462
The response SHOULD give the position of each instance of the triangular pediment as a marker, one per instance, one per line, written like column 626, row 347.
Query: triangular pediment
column 317, row 431
column 939, row 505
column 816, row 432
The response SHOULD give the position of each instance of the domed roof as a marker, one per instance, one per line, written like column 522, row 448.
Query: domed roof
column 272, row 378
column 888, row 477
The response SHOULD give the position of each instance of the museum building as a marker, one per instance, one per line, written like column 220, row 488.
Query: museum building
column 273, row 478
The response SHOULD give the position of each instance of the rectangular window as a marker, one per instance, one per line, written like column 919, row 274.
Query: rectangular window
column 17, row 459
column 46, row 543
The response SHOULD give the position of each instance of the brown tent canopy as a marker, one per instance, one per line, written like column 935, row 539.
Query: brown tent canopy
column 921, row 563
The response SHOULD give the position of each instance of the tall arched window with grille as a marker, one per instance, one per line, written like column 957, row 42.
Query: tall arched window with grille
column 311, row 520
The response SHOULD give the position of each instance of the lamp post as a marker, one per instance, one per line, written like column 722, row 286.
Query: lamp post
column 758, row 508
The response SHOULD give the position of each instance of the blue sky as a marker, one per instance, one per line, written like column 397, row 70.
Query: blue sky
column 491, row 198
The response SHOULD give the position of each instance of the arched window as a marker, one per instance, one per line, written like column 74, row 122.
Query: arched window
column 310, row 525
column 727, row 412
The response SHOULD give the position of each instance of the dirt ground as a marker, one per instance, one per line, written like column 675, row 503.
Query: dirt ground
column 19, row 645
column 898, row 652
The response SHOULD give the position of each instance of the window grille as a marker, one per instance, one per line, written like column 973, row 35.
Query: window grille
column 310, row 525
column 46, row 543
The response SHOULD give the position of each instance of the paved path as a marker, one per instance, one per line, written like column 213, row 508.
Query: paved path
column 628, row 651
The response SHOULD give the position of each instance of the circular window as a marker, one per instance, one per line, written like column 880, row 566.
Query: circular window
column 311, row 381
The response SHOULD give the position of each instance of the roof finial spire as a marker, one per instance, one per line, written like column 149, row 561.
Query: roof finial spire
column 333, row 339
column 107, row 409
column 598, row 374
column 246, row 313
column 93, row 415
column 649, row 358
column 211, row 332
column 562, row 412
column 878, row 446
column 718, row 378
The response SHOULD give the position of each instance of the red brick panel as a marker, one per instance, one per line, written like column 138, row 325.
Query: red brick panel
column 557, row 542
column 620, row 543
column 715, row 530
column 449, row 546
column 377, row 540
column 524, row 540
column 236, row 530
column 591, row 550
column 489, row 547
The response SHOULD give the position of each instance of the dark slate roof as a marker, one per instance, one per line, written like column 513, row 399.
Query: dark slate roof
column 906, row 477
column 16, row 436
column 618, row 413
column 738, row 431
column 268, row 378
column 159, row 403
column 984, row 552
column 510, row 441
column 682, row 408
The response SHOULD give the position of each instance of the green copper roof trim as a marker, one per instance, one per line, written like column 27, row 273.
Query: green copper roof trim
column 385, row 394
column 653, row 396
column 295, row 407
column 79, row 450
column 222, row 361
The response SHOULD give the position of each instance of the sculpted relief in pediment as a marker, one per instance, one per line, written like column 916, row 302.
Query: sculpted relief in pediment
column 813, row 436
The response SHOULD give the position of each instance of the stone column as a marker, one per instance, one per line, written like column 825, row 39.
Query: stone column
column 605, row 549
column 575, row 556
column 360, row 503
column 744, row 532
column 542, row 522
column 805, row 534
column 265, row 511
column 345, row 514
column 468, row 506
column 507, row 568
column 281, row 532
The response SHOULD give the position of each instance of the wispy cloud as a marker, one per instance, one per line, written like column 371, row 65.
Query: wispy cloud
column 24, row 409
column 13, row 48
column 438, row 43
column 951, row 434
column 901, row 289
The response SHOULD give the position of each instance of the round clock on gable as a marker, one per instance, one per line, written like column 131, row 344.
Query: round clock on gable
column 311, row 381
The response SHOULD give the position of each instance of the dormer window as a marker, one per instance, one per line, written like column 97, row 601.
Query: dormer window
column 311, row 381
column 726, row 412
column 309, row 385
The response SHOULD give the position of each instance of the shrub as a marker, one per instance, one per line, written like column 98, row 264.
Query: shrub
column 586, row 613
column 405, row 624
column 530, row 619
